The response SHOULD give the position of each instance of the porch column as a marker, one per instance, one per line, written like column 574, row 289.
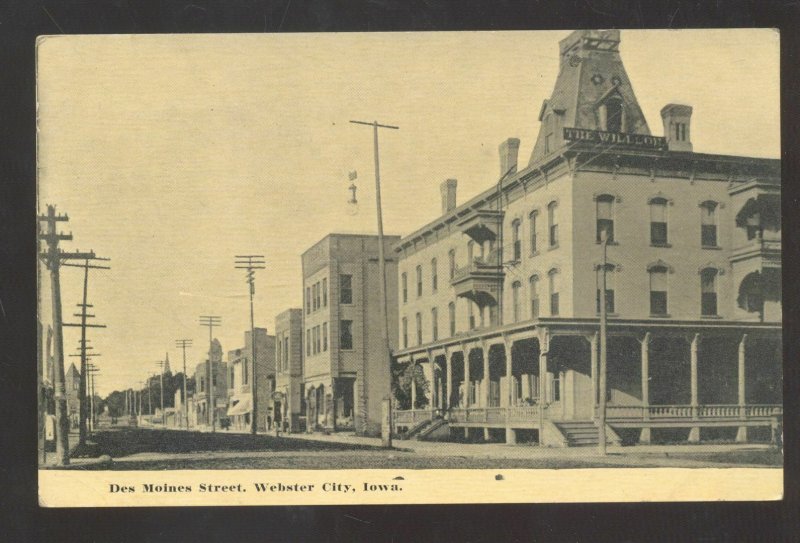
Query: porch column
column 694, row 433
column 741, row 433
column 465, row 355
column 449, row 377
column 485, row 383
column 433, row 401
column 644, row 436
column 511, row 435
column 413, row 367
column 544, row 348
column 593, row 370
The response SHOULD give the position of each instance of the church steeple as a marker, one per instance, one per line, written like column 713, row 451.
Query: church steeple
column 592, row 92
column 166, row 364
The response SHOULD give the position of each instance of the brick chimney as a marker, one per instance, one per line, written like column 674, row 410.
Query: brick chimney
column 677, row 118
column 448, row 189
column 509, row 150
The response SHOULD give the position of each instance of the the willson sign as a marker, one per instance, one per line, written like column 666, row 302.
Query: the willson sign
column 615, row 138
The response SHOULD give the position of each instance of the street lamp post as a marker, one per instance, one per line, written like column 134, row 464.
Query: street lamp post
column 387, row 437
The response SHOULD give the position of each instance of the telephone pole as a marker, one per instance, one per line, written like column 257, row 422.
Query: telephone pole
column 92, row 370
column 84, row 325
column 160, row 364
column 211, row 321
column 601, row 419
column 251, row 263
column 83, row 392
column 183, row 343
column 52, row 258
column 387, row 439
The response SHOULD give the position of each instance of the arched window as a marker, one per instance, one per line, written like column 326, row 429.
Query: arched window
column 614, row 115
column 708, row 224
column 610, row 279
column 658, row 290
column 533, row 216
column 658, row 221
column 534, row 295
column 605, row 217
column 419, row 328
column 451, row 313
column 451, row 255
column 552, row 223
column 405, row 332
column 419, row 281
column 404, row 286
column 434, row 324
column 515, row 287
column 434, row 275
column 515, row 228
column 554, row 284
column 708, row 292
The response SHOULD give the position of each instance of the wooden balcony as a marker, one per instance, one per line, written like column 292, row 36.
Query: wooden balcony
column 766, row 250
column 480, row 281
column 483, row 225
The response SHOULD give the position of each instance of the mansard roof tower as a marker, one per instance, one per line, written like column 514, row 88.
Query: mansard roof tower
column 592, row 92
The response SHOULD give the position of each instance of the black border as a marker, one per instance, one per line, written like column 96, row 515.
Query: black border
column 22, row 20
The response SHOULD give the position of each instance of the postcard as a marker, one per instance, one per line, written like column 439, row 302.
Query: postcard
column 423, row 267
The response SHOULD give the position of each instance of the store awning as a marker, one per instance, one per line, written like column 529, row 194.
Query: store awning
column 241, row 407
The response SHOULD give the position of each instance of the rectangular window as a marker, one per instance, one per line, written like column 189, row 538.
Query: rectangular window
column 345, row 289
column 553, row 223
column 554, row 288
column 278, row 357
column 434, row 324
column 470, row 315
column 419, row 281
column 325, row 292
column 708, row 226
column 658, row 292
column 515, row 300
column 202, row 384
column 405, row 332
column 605, row 219
column 533, row 217
column 609, row 289
column 708, row 292
column 286, row 353
column 517, row 241
column 345, row 335
column 434, row 275
column 658, row 223
column 245, row 372
column 452, row 257
column 308, row 300
column 452, row 318
column 534, row 295
column 324, row 336
column 404, row 284
column 314, row 289
column 419, row 329
column 319, row 340
column 308, row 342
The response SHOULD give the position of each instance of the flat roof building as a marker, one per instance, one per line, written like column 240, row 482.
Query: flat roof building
column 345, row 373
column 499, row 297
column 240, row 375
column 289, row 402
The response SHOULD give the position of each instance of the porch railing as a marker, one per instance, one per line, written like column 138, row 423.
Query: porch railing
column 493, row 414
column 708, row 411
column 413, row 416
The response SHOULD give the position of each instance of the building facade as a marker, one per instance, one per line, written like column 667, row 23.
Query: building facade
column 240, row 371
column 499, row 297
column 210, row 385
column 345, row 374
column 289, row 400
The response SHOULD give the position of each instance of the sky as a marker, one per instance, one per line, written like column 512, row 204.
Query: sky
column 173, row 154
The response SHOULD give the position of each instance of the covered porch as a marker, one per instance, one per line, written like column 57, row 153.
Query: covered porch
column 666, row 381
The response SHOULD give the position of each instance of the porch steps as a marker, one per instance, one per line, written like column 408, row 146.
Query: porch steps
column 426, row 431
column 582, row 433
column 414, row 431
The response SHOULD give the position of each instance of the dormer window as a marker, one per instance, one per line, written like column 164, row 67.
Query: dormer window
column 614, row 113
